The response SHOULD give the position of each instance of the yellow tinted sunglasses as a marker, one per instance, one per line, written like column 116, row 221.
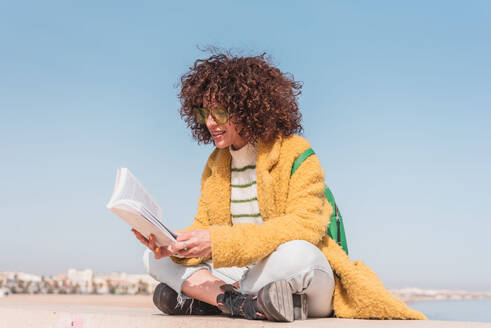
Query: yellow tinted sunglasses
column 220, row 115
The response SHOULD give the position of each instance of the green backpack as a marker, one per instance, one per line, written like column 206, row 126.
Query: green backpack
column 335, row 230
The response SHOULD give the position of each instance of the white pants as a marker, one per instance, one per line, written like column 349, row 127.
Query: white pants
column 299, row 262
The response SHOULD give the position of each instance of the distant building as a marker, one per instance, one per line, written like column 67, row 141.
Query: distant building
column 80, row 276
column 77, row 282
column 81, row 280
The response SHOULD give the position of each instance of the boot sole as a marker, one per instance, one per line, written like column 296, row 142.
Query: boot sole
column 300, row 310
column 276, row 302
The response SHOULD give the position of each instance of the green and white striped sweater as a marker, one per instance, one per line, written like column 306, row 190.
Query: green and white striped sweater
column 244, row 207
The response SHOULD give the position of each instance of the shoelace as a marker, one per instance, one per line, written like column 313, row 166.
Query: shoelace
column 240, row 305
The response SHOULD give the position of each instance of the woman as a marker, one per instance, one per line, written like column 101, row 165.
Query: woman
column 257, row 247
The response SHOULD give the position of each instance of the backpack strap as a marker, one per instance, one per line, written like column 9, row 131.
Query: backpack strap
column 335, row 229
column 306, row 154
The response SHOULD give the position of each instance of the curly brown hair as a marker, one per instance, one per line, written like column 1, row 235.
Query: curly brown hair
column 260, row 99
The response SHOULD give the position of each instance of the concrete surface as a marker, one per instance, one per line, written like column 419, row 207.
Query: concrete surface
column 81, row 311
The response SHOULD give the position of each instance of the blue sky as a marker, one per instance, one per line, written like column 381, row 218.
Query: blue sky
column 396, row 103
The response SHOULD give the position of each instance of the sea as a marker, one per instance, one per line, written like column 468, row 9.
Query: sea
column 462, row 310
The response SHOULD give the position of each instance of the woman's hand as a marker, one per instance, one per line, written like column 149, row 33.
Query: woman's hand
column 159, row 252
column 195, row 243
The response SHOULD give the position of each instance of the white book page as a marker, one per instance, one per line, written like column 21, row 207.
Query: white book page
column 133, row 204
column 127, row 211
column 128, row 187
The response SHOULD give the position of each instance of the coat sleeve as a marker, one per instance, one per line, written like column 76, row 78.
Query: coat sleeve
column 200, row 221
column 306, row 218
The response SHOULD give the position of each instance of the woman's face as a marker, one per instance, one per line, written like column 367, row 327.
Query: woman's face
column 224, row 135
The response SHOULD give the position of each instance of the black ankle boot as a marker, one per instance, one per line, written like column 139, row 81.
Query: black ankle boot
column 235, row 304
column 165, row 299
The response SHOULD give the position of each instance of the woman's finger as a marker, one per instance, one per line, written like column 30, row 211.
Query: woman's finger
column 185, row 235
column 158, row 253
column 161, row 252
column 190, row 252
column 140, row 237
column 184, row 245
column 186, row 254
column 151, row 242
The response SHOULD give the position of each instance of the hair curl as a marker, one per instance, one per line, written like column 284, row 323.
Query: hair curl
column 260, row 99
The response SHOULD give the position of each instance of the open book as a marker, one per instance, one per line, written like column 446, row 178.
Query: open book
column 131, row 202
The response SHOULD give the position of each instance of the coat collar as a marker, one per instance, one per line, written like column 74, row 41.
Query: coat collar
column 267, row 157
column 217, row 188
column 268, row 154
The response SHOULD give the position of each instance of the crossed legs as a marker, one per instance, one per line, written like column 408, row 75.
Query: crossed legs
column 298, row 262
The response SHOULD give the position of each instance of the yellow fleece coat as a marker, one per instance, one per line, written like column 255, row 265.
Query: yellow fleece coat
column 292, row 208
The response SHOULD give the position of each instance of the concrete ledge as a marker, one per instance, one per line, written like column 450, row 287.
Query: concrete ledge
column 63, row 311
